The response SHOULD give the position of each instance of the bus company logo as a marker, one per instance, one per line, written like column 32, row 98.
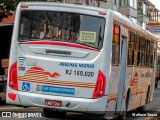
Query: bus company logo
column 47, row 51
column 58, row 52
column 55, row 74
column 39, row 73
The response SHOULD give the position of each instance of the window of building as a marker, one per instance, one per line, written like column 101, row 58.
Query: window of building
column 115, row 2
column 124, row 2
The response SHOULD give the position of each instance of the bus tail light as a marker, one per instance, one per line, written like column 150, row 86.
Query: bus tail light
column 13, row 81
column 99, row 90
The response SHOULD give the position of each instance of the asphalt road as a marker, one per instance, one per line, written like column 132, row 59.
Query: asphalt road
column 154, row 107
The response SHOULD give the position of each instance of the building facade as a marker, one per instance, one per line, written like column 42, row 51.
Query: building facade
column 129, row 9
column 146, row 13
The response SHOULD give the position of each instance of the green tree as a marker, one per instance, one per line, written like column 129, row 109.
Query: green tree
column 8, row 5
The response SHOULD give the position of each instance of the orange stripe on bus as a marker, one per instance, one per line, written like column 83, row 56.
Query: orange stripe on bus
column 55, row 81
column 63, row 84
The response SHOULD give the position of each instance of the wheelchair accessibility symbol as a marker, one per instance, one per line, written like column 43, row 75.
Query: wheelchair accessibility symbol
column 26, row 86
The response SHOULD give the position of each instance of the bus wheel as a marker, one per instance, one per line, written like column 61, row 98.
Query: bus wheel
column 140, row 109
column 148, row 95
column 156, row 85
column 52, row 113
column 156, row 82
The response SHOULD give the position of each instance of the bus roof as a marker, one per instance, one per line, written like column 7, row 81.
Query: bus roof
column 136, row 28
column 66, row 5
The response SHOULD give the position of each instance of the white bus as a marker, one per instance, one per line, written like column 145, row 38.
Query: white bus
column 67, row 57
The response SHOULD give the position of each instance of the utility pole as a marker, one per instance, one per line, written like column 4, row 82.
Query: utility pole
column 98, row 5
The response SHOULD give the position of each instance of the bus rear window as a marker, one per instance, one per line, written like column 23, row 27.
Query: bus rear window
column 62, row 26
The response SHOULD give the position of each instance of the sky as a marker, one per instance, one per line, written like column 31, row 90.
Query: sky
column 156, row 3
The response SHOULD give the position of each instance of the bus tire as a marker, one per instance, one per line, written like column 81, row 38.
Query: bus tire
column 52, row 113
column 156, row 84
column 142, row 108
column 148, row 95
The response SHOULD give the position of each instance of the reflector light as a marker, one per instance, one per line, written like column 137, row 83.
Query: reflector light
column 12, row 96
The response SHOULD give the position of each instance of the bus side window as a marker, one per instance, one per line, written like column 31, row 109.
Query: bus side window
column 154, row 50
column 131, row 47
column 151, row 54
column 147, row 53
column 142, row 51
column 155, row 53
column 136, row 40
column 116, row 45
column 137, row 51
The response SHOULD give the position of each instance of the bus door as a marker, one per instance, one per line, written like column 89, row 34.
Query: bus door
column 123, row 65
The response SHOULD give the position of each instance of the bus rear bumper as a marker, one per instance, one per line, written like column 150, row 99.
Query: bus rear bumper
column 85, row 105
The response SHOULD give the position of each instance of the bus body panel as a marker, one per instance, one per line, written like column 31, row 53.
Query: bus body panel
column 76, row 104
column 57, row 74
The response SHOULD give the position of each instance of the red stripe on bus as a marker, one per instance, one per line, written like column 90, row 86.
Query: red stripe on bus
column 113, row 97
column 60, row 44
column 37, row 68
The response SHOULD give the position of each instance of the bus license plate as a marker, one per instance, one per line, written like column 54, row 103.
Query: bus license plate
column 53, row 103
